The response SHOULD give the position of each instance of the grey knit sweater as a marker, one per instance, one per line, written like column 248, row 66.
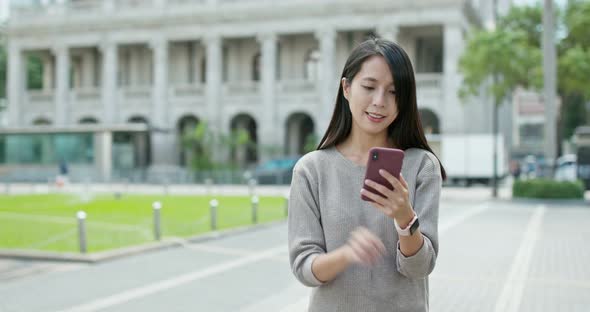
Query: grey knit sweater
column 325, row 207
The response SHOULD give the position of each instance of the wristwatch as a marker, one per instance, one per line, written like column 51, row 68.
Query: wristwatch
column 410, row 229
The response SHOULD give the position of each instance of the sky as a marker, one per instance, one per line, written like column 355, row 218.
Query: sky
column 3, row 9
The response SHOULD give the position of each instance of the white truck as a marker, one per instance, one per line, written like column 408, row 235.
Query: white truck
column 468, row 158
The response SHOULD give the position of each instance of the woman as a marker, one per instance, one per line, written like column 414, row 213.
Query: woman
column 360, row 255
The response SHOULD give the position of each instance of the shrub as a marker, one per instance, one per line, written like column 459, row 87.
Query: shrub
column 544, row 188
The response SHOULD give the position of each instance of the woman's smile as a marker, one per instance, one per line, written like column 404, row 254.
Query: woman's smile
column 374, row 117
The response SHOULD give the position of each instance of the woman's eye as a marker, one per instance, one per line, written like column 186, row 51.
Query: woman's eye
column 368, row 88
column 392, row 92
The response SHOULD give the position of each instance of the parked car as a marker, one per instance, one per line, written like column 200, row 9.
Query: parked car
column 566, row 169
column 275, row 171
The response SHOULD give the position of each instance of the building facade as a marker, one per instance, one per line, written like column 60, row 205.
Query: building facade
column 269, row 67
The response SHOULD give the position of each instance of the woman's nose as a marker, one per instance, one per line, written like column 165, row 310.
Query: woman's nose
column 378, row 100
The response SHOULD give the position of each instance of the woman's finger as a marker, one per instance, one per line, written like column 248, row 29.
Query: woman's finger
column 358, row 253
column 376, row 198
column 385, row 191
column 387, row 211
column 375, row 241
column 365, row 243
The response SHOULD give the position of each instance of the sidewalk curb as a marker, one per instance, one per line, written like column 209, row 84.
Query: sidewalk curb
column 170, row 242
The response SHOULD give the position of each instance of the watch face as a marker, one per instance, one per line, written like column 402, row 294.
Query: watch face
column 414, row 227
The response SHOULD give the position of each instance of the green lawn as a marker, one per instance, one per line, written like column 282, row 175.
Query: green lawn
column 48, row 222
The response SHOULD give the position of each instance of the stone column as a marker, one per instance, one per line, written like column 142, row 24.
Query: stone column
column 160, row 62
column 328, row 84
column 103, row 149
column 109, row 81
column 213, row 91
column 452, row 120
column 15, row 84
column 268, row 120
column 162, row 134
column 213, row 80
column 62, row 53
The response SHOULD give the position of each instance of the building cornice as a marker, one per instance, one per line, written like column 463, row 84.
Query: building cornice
column 280, row 16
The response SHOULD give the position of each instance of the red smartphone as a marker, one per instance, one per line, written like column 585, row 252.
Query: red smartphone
column 389, row 159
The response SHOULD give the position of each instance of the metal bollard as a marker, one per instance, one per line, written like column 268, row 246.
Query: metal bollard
column 157, row 232
column 213, row 204
column 252, row 186
column 254, row 209
column 82, row 230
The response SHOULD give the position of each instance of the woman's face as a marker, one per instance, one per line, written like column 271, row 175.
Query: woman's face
column 371, row 97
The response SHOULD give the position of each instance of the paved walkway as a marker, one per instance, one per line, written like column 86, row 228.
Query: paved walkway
column 495, row 256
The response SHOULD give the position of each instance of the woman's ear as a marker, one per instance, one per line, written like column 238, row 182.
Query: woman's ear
column 345, row 87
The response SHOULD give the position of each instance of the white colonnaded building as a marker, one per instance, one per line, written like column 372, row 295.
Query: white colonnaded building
column 127, row 77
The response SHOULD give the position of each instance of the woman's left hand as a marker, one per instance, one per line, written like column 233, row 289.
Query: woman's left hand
column 395, row 204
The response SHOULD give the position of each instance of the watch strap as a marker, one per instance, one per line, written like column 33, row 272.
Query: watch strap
column 409, row 229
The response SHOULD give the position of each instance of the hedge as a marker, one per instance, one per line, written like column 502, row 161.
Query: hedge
column 544, row 188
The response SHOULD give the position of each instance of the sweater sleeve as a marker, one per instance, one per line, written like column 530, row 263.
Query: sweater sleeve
column 426, row 204
column 305, row 234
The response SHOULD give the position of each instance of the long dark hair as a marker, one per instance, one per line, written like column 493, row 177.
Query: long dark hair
column 406, row 130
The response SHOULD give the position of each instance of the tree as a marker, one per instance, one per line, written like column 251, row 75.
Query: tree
column 202, row 142
column 501, row 53
column 509, row 57
column 493, row 52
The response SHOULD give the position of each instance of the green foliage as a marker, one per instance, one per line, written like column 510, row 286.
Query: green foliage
column 573, row 114
column 514, row 52
column 506, row 54
column 202, row 143
column 34, row 73
column 527, row 19
column 311, row 142
column 547, row 189
column 577, row 24
column 574, row 71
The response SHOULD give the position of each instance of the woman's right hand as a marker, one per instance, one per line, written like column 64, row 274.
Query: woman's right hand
column 364, row 247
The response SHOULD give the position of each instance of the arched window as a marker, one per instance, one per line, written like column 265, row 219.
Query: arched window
column 429, row 120
column 88, row 120
column 41, row 121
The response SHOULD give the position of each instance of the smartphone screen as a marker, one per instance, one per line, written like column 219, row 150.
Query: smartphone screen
column 389, row 159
